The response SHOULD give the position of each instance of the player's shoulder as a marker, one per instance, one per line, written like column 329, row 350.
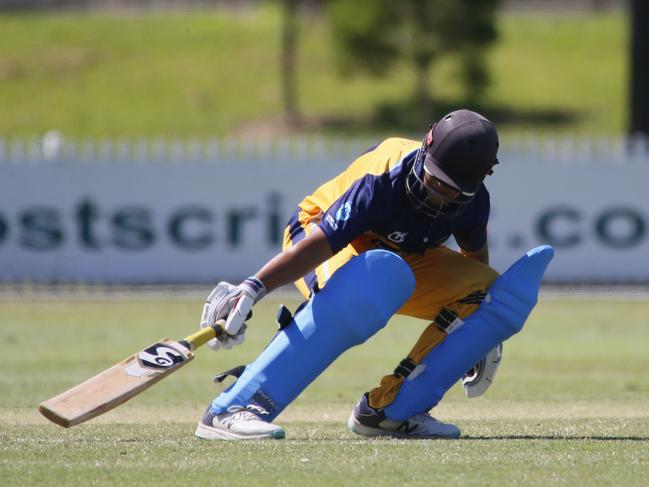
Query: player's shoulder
column 385, row 155
column 397, row 145
column 481, row 200
column 479, row 208
column 482, row 195
column 475, row 217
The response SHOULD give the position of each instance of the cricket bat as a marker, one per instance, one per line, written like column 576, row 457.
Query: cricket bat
column 125, row 379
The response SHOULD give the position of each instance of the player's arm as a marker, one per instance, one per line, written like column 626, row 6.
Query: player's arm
column 234, row 303
column 349, row 216
column 293, row 263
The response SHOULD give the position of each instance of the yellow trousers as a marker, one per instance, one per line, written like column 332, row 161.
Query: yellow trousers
column 448, row 286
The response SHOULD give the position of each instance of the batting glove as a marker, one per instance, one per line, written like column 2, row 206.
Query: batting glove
column 234, row 305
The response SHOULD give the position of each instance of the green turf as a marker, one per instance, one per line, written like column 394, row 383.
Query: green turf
column 569, row 406
column 215, row 73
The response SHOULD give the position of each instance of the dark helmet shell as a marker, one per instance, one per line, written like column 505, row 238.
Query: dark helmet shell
column 459, row 150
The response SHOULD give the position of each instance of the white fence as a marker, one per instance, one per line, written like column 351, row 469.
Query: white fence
column 158, row 211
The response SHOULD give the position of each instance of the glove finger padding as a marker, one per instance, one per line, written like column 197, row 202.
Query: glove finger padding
column 239, row 339
column 238, row 314
column 221, row 290
column 227, row 341
column 217, row 306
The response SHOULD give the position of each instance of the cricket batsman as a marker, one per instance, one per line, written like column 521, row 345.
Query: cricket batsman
column 368, row 244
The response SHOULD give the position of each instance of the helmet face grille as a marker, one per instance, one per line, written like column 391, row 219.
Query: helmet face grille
column 428, row 201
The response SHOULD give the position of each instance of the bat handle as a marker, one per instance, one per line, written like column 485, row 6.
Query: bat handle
column 204, row 335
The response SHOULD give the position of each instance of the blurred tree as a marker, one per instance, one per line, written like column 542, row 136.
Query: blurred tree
column 639, row 99
column 373, row 35
column 288, row 61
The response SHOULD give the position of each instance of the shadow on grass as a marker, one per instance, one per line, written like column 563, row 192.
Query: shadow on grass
column 557, row 438
column 409, row 117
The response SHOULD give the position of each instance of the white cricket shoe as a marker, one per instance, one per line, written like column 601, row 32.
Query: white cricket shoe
column 367, row 421
column 237, row 423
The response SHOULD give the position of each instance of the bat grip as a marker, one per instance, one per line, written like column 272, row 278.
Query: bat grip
column 204, row 335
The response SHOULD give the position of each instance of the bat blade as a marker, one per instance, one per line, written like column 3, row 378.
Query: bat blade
column 117, row 384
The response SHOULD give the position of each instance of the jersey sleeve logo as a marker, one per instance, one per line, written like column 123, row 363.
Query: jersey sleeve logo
column 344, row 212
column 332, row 223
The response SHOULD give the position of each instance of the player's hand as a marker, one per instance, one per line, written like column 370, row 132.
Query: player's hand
column 234, row 305
column 227, row 341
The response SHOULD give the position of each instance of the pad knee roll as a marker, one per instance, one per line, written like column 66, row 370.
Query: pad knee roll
column 514, row 294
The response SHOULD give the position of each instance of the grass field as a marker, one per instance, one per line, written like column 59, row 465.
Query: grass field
column 216, row 73
column 569, row 406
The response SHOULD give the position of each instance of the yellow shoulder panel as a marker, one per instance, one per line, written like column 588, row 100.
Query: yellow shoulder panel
column 381, row 159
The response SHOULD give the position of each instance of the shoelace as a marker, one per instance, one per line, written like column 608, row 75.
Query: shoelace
column 256, row 409
column 242, row 415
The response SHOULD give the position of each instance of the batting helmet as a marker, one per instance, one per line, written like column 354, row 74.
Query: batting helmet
column 456, row 155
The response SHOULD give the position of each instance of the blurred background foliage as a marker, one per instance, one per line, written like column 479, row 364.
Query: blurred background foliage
column 289, row 66
column 377, row 36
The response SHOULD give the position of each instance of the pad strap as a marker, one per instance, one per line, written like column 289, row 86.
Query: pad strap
column 405, row 368
column 233, row 372
column 447, row 320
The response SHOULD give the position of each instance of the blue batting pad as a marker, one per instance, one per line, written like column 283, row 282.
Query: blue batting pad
column 509, row 302
column 357, row 301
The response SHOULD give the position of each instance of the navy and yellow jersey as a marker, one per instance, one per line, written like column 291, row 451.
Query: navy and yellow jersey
column 369, row 200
